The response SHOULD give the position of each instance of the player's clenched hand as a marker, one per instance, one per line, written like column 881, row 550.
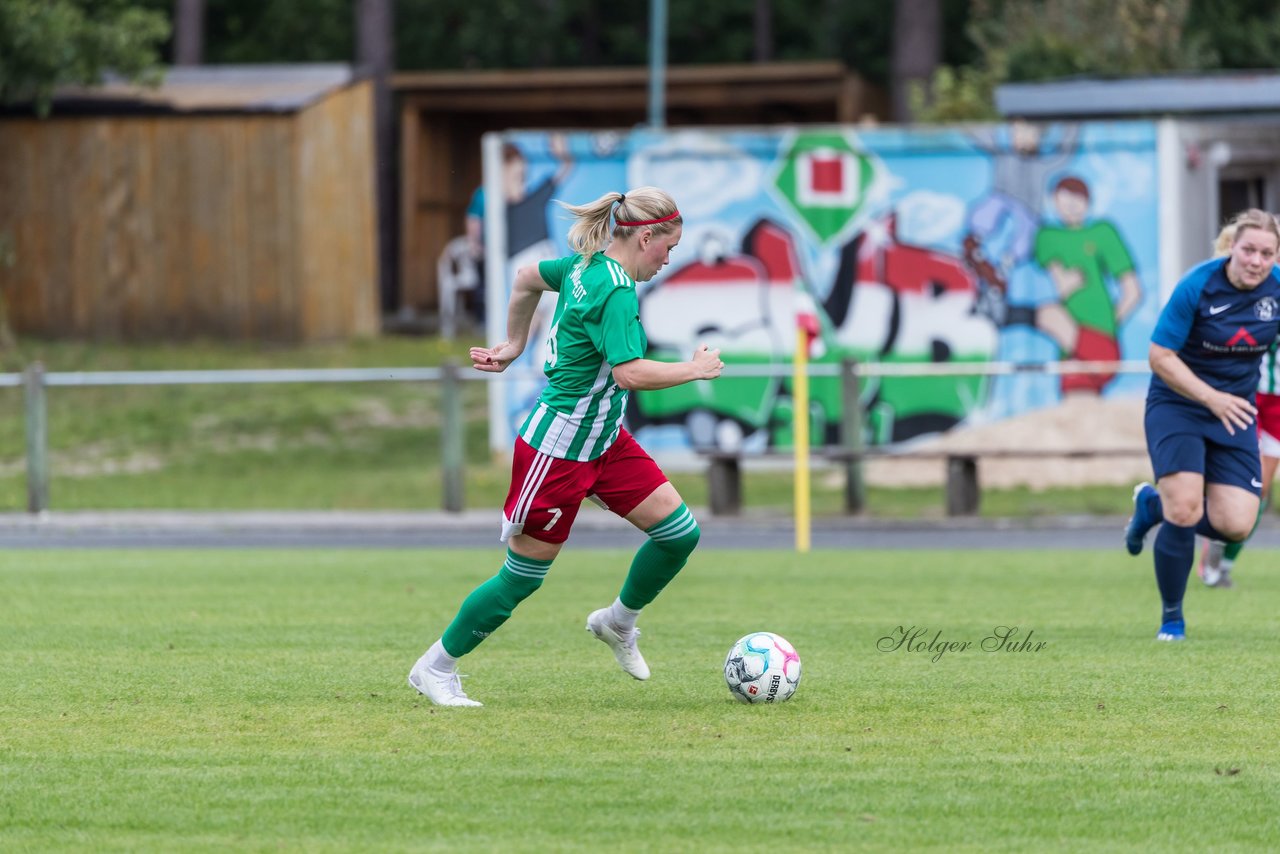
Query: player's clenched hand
column 706, row 362
column 1232, row 411
column 494, row 359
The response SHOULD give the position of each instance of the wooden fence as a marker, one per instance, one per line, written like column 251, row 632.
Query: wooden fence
column 249, row 226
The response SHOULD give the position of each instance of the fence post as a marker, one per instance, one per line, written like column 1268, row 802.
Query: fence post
column 37, row 423
column 453, row 446
column 963, row 493
column 724, row 484
column 855, row 490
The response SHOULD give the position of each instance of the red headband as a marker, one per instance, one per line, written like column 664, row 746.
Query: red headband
column 666, row 218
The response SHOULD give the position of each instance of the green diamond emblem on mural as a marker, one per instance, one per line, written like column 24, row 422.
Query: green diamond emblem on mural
column 826, row 181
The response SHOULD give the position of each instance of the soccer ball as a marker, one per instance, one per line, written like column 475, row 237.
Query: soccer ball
column 762, row 668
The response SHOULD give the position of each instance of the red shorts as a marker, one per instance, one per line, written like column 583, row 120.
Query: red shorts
column 1269, row 423
column 1091, row 346
column 546, row 492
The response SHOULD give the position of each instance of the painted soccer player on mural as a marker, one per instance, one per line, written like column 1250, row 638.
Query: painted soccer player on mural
column 1081, row 256
column 867, row 241
column 1002, row 224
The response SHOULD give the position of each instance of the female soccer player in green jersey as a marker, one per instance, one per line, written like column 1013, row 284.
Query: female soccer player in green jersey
column 572, row 445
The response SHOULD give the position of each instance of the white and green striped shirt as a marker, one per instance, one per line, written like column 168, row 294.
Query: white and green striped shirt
column 1269, row 379
column 596, row 326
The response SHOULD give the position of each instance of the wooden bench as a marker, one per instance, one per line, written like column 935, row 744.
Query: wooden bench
column 963, row 495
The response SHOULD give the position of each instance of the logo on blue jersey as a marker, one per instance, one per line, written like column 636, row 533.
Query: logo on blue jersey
column 1242, row 336
column 1242, row 341
column 1265, row 308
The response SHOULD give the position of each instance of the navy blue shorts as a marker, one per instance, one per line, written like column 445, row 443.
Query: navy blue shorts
column 1186, row 437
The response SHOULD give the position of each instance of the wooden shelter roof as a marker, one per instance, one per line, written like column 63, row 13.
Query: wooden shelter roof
column 222, row 89
column 627, row 88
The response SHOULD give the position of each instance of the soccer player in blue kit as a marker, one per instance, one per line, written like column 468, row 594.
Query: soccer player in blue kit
column 1201, row 434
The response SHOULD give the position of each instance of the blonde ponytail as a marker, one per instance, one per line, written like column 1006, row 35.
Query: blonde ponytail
column 590, row 232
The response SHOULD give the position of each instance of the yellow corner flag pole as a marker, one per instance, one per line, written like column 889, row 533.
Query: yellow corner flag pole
column 800, row 436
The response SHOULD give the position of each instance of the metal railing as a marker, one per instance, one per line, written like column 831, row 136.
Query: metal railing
column 35, row 382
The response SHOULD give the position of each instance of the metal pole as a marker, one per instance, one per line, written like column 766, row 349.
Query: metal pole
column 37, row 419
column 452, row 439
column 657, row 63
column 855, row 490
column 800, row 440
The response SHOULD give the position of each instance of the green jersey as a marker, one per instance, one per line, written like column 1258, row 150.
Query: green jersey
column 596, row 326
column 1096, row 250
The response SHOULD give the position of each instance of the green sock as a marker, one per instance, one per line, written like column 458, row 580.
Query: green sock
column 490, row 604
column 664, row 554
column 1232, row 551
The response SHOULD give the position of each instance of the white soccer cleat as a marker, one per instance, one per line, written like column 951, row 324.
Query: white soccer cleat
column 624, row 647
column 1215, row 568
column 440, row 687
column 1210, row 568
column 1220, row 576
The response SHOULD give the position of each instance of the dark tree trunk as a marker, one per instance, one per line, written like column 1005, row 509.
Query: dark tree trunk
column 188, row 32
column 917, row 50
column 764, row 31
column 375, row 56
column 544, row 53
column 590, row 37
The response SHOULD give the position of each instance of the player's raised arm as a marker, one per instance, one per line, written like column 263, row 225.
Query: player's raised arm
column 648, row 375
column 525, row 293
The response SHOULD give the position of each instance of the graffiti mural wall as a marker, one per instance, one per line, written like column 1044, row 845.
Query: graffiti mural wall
column 992, row 243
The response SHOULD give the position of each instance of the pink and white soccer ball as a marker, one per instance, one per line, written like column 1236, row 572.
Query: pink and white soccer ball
column 762, row 668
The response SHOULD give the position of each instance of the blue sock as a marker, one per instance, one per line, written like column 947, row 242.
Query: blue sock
column 1205, row 528
column 1175, row 551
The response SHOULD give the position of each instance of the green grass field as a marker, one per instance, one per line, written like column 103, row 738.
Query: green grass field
column 255, row 700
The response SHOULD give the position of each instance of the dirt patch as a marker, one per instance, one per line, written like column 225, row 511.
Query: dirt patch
column 1077, row 423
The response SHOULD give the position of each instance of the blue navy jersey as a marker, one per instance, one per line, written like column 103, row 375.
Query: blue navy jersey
column 1218, row 330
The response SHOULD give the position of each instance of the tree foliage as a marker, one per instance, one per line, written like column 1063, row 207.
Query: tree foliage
column 44, row 43
column 258, row 31
column 1049, row 39
column 438, row 34
column 1238, row 33
column 955, row 94
column 48, row 43
column 1029, row 40
column 446, row 34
